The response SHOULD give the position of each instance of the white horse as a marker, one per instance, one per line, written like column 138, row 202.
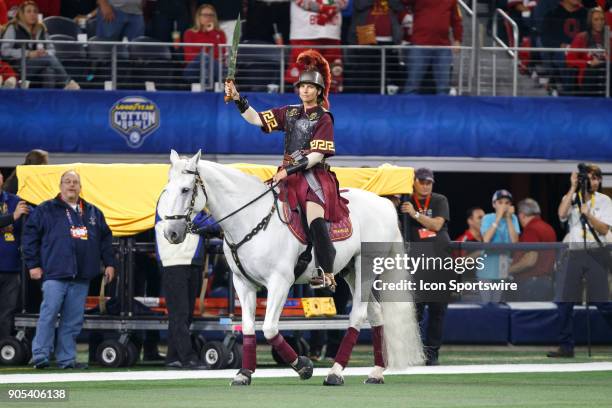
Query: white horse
column 269, row 258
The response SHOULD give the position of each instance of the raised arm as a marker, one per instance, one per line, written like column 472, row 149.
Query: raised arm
column 248, row 113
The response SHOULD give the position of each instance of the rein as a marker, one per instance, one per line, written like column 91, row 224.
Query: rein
column 262, row 225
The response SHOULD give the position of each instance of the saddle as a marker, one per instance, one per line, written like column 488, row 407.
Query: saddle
column 296, row 221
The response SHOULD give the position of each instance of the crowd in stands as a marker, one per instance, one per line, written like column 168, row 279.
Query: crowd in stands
column 565, row 25
column 571, row 24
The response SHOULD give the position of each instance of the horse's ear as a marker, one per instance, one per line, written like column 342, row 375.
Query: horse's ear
column 174, row 157
column 193, row 162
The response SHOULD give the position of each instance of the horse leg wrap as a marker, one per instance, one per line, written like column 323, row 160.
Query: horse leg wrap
column 249, row 357
column 377, row 343
column 283, row 349
column 346, row 347
column 324, row 249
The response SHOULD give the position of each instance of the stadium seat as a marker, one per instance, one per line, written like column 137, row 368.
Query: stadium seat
column 71, row 55
column 100, row 56
column 91, row 27
column 258, row 67
column 67, row 52
column 149, row 52
column 62, row 25
column 151, row 63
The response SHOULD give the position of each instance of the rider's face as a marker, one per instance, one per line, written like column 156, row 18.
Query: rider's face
column 308, row 93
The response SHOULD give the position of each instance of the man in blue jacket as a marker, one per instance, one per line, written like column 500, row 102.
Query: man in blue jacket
column 11, row 210
column 63, row 243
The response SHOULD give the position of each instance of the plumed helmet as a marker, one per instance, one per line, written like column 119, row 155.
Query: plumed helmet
column 311, row 77
column 315, row 70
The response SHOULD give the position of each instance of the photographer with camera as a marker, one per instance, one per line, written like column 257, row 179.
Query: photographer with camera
column 588, row 214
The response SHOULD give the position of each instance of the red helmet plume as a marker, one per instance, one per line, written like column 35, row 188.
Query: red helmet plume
column 311, row 60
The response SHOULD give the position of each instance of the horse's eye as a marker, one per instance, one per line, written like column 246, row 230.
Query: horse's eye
column 185, row 190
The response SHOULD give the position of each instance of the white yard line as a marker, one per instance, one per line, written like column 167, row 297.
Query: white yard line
column 56, row 377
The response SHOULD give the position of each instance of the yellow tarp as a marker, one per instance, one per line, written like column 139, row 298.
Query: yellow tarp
column 127, row 193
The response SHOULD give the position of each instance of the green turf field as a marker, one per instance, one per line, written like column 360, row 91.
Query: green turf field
column 587, row 389
column 449, row 391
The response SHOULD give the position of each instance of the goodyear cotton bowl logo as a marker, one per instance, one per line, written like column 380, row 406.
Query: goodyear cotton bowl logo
column 134, row 118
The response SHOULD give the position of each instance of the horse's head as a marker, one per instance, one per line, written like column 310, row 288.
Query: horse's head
column 184, row 197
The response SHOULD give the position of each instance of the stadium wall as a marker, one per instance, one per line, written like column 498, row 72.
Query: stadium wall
column 123, row 122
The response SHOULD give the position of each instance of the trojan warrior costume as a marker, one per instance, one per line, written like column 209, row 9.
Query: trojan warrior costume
column 307, row 131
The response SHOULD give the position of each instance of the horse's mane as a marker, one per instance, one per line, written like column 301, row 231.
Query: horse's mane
column 233, row 179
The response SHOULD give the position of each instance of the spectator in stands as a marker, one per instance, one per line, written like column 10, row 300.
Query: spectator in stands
column 532, row 271
column 63, row 243
column 499, row 227
column 205, row 30
column 433, row 22
column 11, row 210
column 267, row 21
column 591, row 66
column 587, row 259
column 118, row 19
column 47, row 8
column 559, row 28
column 347, row 16
column 3, row 14
column 474, row 219
column 8, row 77
column 227, row 13
column 181, row 265
column 428, row 226
column 543, row 7
column 520, row 12
column 374, row 22
column 40, row 58
column 169, row 16
column 34, row 157
column 316, row 23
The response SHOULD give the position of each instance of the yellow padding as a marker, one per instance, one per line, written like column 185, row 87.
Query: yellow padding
column 319, row 307
column 127, row 193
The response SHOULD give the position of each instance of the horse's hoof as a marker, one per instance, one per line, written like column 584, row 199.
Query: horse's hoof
column 333, row 379
column 304, row 367
column 242, row 378
column 374, row 380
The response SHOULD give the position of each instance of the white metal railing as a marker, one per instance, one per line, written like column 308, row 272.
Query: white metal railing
column 263, row 67
column 510, row 50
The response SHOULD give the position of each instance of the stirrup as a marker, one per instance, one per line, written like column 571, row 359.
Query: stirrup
column 322, row 279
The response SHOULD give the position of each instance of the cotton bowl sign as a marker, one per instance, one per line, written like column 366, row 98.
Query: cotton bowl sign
column 134, row 118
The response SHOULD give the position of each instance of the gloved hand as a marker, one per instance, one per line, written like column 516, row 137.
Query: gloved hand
column 326, row 13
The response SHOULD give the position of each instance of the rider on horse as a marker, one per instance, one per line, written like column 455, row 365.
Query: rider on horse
column 309, row 139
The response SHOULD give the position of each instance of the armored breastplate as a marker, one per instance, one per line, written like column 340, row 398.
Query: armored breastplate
column 299, row 127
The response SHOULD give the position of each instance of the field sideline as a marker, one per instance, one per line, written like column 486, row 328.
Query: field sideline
column 469, row 377
column 567, row 389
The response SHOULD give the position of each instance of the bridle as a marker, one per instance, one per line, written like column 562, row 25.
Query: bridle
column 194, row 194
column 262, row 225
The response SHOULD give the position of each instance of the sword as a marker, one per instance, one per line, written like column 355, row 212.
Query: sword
column 231, row 67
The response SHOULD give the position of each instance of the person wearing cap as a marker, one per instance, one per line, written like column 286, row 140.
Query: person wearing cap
column 533, row 270
column 428, row 227
column 500, row 227
column 310, row 184
column 588, row 216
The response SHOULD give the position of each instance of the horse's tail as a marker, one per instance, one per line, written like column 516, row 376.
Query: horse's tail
column 401, row 335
